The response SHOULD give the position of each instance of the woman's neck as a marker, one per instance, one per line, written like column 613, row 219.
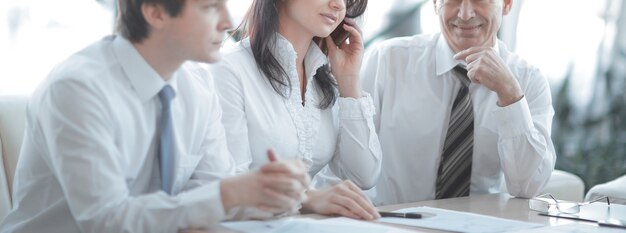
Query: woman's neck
column 300, row 40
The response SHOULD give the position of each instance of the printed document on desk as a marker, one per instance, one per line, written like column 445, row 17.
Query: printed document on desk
column 456, row 221
column 304, row 225
column 574, row 228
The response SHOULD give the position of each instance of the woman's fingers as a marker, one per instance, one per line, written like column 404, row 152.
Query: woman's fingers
column 352, row 22
column 342, row 211
column 352, row 206
column 362, row 199
column 355, row 35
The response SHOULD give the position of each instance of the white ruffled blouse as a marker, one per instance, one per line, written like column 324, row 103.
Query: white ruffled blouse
column 257, row 118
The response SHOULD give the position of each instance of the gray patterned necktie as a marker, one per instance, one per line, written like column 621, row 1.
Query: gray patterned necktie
column 455, row 168
column 166, row 154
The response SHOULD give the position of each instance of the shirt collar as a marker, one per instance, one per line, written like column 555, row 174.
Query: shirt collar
column 145, row 81
column 313, row 60
column 444, row 56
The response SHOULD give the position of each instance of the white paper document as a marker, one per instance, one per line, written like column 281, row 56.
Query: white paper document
column 303, row 225
column 456, row 221
column 575, row 228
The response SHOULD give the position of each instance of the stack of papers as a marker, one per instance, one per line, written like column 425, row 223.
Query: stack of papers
column 449, row 220
column 575, row 228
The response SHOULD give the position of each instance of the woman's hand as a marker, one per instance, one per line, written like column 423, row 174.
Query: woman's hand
column 344, row 199
column 345, row 60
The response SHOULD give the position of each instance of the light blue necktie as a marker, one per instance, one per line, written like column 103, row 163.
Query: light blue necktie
column 166, row 154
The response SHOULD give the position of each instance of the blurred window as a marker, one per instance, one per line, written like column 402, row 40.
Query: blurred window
column 35, row 35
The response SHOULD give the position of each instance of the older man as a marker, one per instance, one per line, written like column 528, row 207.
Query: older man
column 459, row 114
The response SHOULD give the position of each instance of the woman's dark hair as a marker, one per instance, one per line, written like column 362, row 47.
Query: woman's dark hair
column 262, row 25
column 131, row 23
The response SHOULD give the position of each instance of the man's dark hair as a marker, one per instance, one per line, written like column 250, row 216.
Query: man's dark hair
column 131, row 23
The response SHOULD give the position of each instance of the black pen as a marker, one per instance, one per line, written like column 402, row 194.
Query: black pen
column 400, row 215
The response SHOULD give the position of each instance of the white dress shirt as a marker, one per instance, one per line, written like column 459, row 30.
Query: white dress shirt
column 88, row 160
column 411, row 82
column 257, row 118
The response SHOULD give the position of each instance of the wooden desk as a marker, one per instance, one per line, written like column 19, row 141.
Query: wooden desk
column 496, row 205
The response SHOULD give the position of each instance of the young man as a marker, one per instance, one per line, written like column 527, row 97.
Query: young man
column 125, row 136
column 459, row 114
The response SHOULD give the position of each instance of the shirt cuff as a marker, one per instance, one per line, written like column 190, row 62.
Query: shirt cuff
column 205, row 200
column 356, row 109
column 514, row 119
column 248, row 213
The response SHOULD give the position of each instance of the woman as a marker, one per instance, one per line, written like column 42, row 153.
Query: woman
column 278, row 91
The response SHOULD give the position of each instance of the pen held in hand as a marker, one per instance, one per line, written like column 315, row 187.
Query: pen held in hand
column 400, row 215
